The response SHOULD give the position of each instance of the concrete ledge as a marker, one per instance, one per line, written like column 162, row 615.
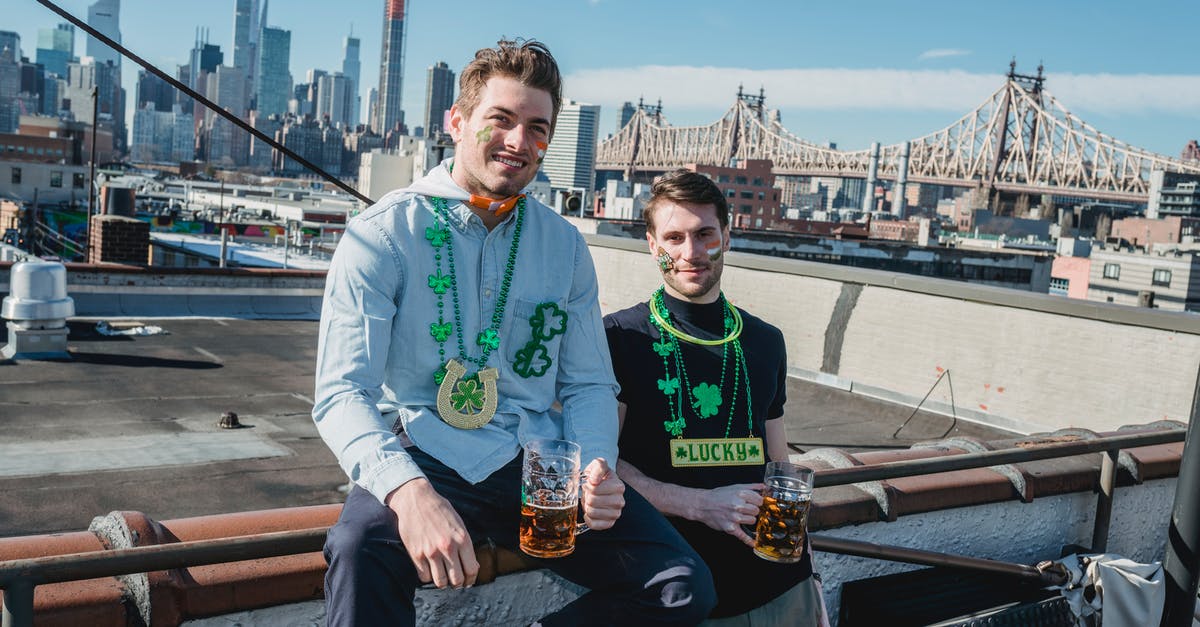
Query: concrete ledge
column 170, row 597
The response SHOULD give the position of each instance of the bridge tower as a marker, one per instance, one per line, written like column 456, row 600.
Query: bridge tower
column 1008, row 124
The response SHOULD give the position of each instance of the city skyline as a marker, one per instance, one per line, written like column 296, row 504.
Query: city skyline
column 851, row 75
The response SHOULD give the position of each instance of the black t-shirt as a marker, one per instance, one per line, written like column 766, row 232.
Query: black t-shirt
column 744, row 581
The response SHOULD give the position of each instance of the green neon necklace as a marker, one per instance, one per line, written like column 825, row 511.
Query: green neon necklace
column 469, row 402
column 705, row 399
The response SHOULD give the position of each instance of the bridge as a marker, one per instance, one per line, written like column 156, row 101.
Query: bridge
column 1020, row 140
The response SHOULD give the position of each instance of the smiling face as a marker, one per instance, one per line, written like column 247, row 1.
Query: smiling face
column 496, row 145
column 693, row 237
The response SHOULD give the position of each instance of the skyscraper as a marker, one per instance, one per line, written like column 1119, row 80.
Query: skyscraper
column 334, row 99
column 570, row 160
column 105, row 16
column 351, row 68
column 273, row 87
column 245, row 41
column 12, row 42
column 391, row 68
column 56, row 48
column 439, row 95
column 226, row 144
column 627, row 110
column 10, row 87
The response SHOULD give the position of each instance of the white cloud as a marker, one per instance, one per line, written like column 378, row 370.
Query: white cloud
column 941, row 53
column 689, row 88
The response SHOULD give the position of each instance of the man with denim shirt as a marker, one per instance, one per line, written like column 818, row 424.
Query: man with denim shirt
column 457, row 311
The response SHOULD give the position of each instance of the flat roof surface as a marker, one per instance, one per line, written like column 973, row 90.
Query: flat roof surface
column 131, row 424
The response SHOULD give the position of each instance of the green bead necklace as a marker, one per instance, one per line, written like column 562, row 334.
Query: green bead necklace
column 471, row 401
column 705, row 398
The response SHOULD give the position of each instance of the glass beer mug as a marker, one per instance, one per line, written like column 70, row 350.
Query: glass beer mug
column 783, row 518
column 550, row 481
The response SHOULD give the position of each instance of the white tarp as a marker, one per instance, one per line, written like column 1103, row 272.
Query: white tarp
column 1120, row 591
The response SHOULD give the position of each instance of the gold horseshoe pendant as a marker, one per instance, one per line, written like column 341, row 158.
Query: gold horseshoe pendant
column 455, row 418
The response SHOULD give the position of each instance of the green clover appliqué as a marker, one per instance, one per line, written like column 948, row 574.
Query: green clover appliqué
column 468, row 396
column 668, row 385
column 531, row 360
column 675, row 427
column 548, row 321
column 489, row 338
column 439, row 282
column 437, row 236
column 663, row 348
column 440, row 332
column 707, row 399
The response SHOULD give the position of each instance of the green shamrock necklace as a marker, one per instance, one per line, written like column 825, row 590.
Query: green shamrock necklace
column 466, row 403
column 705, row 399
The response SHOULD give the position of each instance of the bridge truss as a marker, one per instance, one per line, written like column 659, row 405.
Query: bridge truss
column 1021, row 139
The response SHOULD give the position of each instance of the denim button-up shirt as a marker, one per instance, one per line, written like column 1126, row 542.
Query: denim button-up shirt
column 376, row 357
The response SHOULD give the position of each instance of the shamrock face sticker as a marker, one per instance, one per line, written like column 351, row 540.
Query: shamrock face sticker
column 531, row 360
column 484, row 134
column 548, row 321
column 707, row 399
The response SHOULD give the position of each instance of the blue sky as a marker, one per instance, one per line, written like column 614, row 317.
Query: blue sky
column 851, row 72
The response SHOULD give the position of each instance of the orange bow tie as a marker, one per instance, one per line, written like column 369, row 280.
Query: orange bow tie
column 499, row 207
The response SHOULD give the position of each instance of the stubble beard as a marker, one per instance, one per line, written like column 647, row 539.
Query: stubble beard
column 692, row 290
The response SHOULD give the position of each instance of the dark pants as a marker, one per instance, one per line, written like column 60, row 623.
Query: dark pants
column 639, row 572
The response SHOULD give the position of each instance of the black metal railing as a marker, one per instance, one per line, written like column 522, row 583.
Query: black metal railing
column 19, row 578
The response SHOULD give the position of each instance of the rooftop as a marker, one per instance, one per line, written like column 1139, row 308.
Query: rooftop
column 131, row 424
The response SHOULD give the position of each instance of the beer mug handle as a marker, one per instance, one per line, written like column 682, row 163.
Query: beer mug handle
column 580, row 525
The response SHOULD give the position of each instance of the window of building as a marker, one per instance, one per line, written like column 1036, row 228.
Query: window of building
column 758, row 182
column 762, row 195
column 16, row 176
column 758, row 223
column 77, row 180
column 722, row 178
column 748, row 195
column 1059, row 286
column 730, row 193
column 746, row 209
column 1112, row 271
column 740, row 180
column 1161, row 277
column 56, row 179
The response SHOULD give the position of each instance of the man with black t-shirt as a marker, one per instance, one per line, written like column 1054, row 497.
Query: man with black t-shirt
column 702, row 391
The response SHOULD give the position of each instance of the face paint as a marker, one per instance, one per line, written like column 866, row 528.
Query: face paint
column 541, row 146
column 714, row 248
column 664, row 260
column 484, row 134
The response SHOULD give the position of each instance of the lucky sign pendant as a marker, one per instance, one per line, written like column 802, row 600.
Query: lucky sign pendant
column 457, row 397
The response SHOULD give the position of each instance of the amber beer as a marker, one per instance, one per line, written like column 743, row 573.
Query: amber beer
column 783, row 518
column 548, row 530
column 550, row 498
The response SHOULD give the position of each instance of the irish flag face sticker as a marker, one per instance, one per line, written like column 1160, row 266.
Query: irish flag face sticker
column 541, row 146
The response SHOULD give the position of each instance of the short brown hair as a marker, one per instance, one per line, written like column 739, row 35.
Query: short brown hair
column 685, row 186
column 526, row 60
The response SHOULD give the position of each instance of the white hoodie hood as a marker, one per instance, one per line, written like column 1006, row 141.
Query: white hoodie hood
column 438, row 182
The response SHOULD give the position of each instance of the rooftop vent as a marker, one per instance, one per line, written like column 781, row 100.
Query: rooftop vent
column 37, row 309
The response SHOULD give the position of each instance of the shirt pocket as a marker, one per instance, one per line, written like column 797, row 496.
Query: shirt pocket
column 538, row 328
